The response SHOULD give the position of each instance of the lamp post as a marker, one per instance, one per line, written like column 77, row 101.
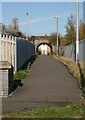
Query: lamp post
column 27, row 26
column 56, row 17
column 77, row 31
column 0, row 45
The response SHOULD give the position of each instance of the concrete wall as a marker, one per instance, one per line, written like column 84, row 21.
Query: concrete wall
column 25, row 50
column 69, row 51
column 7, row 78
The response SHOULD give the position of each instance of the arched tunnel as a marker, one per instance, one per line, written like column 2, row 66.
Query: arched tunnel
column 44, row 48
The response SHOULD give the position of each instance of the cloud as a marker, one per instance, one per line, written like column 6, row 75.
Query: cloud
column 39, row 20
column 36, row 20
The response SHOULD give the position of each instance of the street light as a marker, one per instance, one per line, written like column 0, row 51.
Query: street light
column 56, row 17
column 77, row 32
column 27, row 26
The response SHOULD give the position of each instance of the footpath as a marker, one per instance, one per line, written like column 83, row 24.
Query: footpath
column 49, row 83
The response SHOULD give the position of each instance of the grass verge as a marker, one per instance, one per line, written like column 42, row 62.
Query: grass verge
column 69, row 111
column 77, row 70
column 23, row 72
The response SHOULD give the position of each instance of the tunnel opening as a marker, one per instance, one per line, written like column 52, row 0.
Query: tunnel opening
column 44, row 48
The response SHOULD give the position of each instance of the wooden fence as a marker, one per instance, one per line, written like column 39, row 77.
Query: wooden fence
column 8, row 49
column 15, row 50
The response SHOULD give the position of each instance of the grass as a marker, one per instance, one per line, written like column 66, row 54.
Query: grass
column 23, row 72
column 71, row 65
column 69, row 111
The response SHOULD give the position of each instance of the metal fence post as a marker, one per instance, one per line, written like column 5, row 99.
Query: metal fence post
column 13, row 51
column 0, row 47
column 9, row 49
column 15, row 55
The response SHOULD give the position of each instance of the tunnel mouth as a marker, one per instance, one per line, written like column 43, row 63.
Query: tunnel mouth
column 44, row 43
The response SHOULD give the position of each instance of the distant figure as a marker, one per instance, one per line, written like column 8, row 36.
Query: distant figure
column 29, row 65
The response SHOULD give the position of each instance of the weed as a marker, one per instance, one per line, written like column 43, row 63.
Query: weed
column 69, row 111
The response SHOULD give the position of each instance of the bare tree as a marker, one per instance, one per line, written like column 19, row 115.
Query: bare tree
column 13, row 28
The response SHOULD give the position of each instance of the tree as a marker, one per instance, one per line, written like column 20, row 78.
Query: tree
column 53, row 38
column 70, row 30
column 3, row 29
column 81, row 30
column 13, row 28
column 70, row 36
column 19, row 34
column 32, row 38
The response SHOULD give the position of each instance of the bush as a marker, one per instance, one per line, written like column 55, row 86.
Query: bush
column 20, row 74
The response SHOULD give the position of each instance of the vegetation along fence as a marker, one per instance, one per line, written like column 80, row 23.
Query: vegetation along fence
column 15, row 50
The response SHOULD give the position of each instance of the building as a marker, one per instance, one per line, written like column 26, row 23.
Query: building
column 45, row 49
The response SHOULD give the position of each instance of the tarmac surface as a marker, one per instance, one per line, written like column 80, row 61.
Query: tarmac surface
column 49, row 83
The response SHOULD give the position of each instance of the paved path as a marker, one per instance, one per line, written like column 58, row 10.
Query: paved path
column 49, row 83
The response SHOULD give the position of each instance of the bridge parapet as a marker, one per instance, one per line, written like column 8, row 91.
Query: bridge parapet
column 41, row 41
